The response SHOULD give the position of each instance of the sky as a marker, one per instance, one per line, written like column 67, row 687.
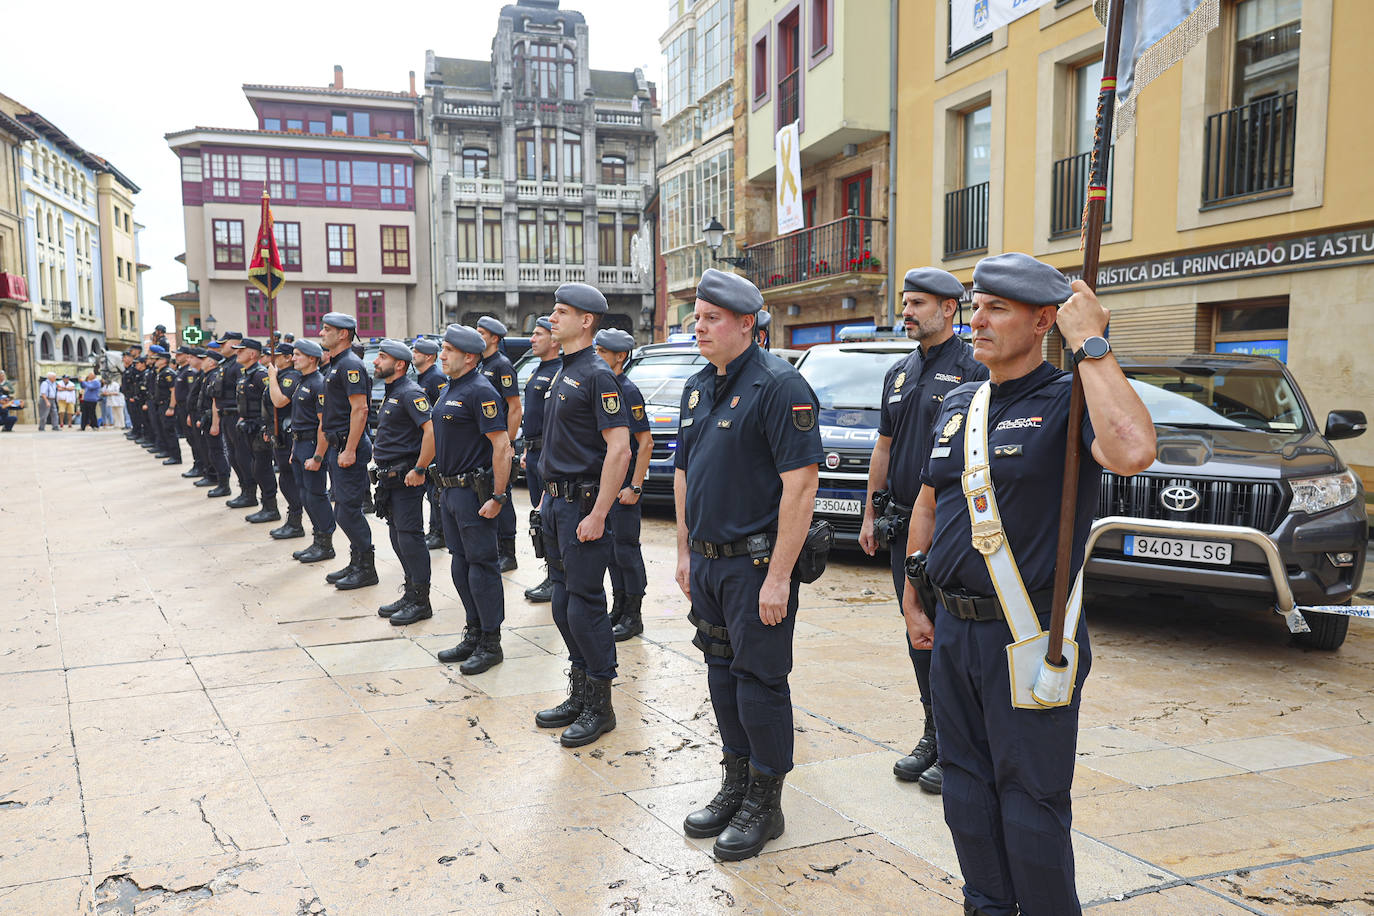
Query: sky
column 117, row 77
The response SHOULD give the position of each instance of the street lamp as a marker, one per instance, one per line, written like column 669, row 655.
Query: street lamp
column 210, row 324
column 715, row 237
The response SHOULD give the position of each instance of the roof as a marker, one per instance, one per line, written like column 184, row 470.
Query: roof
column 173, row 137
column 614, row 84
column 189, row 295
column 464, row 74
column 105, row 166
column 1195, row 360
column 328, row 90
column 41, row 126
column 542, row 13
column 14, row 128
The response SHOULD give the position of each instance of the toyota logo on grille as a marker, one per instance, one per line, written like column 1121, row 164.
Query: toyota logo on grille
column 832, row 461
column 1179, row 498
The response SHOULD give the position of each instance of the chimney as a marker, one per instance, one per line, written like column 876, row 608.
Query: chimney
column 412, row 82
column 338, row 77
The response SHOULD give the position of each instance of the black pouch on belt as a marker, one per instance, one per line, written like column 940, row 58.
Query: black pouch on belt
column 537, row 532
column 586, row 498
column 483, row 485
column 815, row 551
column 381, row 500
column 919, row 578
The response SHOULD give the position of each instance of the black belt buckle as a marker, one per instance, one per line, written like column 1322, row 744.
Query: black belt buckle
column 710, row 551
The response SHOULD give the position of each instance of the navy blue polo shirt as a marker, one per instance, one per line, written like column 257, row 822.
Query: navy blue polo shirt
column 307, row 401
column 912, row 394
column 252, row 383
column 583, row 400
column 166, row 381
column 467, row 410
column 501, row 374
column 227, row 393
column 287, row 380
column 639, row 421
column 431, row 380
column 1027, row 420
column 400, row 422
column 740, row 431
column 185, row 375
column 345, row 376
column 532, row 423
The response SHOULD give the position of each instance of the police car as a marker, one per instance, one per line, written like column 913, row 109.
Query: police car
column 848, row 380
column 659, row 371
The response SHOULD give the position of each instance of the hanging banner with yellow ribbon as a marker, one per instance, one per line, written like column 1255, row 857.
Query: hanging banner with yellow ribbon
column 791, row 217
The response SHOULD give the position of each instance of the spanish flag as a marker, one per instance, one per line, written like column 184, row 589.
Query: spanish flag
column 265, row 270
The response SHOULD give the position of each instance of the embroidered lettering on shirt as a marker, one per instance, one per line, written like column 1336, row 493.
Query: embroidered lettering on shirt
column 1019, row 423
column 944, row 377
column 572, row 381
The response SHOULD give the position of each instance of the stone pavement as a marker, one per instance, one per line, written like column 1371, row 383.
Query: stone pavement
column 194, row 723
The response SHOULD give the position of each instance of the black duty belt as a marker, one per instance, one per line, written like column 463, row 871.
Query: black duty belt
column 534, row 443
column 979, row 608
column 338, row 440
column 740, row 548
column 310, row 436
column 895, row 508
column 567, row 489
column 229, row 411
column 465, row 480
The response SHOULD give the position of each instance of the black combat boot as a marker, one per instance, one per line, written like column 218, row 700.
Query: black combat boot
column 597, row 716
column 339, row 574
column 195, row 471
column 971, row 910
column 922, row 757
column 758, row 820
column 292, row 528
column 541, row 592
column 221, row 489
column 364, row 573
column 172, row 459
column 434, row 540
column 715, row 817
column 407, row 595
column 418, row 609
column 565, row 713
column 463, row 651
column 631, row 620
column 321, row 549
column 247, row 498
column 209, row 480
column 505, row 555
column 268, row 512
column 487, row 654
column 932, row 780
column 617, row 607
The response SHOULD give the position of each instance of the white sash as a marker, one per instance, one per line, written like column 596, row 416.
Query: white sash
column 1035, row 684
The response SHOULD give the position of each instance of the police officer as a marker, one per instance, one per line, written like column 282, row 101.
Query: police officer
column 227, row 414
column 142, row 395
column 187, row 374
column 282, row 380
column 159, row 337
column 425, row 353
column 762, row 334
column 163, row 411
column 628, row 582
column 585, row 457
column 253, row 450
column 403, row 452
column 216, row 462
column 344, row 441
column 128, row 385
column 472, row 467
column 149, row 386
column 913, row 390
column 545, row 349
column 744, row 488
column 501, row 374
column 1008, row 769
column 306, row 462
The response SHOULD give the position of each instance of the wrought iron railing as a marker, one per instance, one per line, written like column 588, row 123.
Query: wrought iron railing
column 1249, row 149
column 847, row 245
column 1070, row 191
column 787, row 98
column 966, row 220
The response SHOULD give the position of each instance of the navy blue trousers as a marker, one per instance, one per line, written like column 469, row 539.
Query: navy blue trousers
column 577, row 570
column 532, row 478
column 256, row 456
column 286, row 478
column 1007, row 773
column 920, row 658
column 167, row 433
column 312, row 486
column 349, row 488
column 627, row 566
column 749, row 691
column 471, row 543
column 215, row 451
column 407, row 526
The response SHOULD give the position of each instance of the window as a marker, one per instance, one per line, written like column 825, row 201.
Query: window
column 371, row 313
column 119, row 268
column 491, row 235
column 537, row 70
column 467, row 235
column 679, row 73
column 548, row 154
column 311, row 171
column 393, row 179
column 1268, row 34
column 548, row 239
column 525, row 166
column 288, row 244
column 338, row 185
column 126, row 221
column 820, row 26
column 228, row 239
column 362, row 124
column 789, row 76
column 339, row 244
column 295, row 124
column 715, row 45
column 262, row 320
column 1256, row 326
column 572, row 236
column 629, row 225
column 715, row 194
column 977, row 146
column 966, row 208
column 612, row 169
column 605, row 239
column 224, row 175
column 474, row 163
column 858, row 195
column 395, row 249
column 1087, row 83
column 572, row 156
column 317, row 127
column 281, row 178
column 338, row 122
column 315, row 304
column 271, row 123
column 809, row 208
column 525, row 231
column 761, row 69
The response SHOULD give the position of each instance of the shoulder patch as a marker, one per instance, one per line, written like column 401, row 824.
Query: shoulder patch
column 286, row 382
column 507, row 381
column 803, row 417
column 354, row 375
column 610, row 402
column 637, row 411
column 422, row 405
column 321, row 397
column 489, row 409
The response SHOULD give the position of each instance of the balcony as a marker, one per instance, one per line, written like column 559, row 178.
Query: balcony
column 485, row 189
column 528, row 107
column 1248, row 149
column 547, row 191
column 13, row 288
column 966, row 220
column 845, row 246
column 622, row 118
column 616, row 276
column 476, row 111
column 1069, row 192
column 787, row 99
column 551, row 274
column 618, row 195
column 60, row 309
column 482, row 276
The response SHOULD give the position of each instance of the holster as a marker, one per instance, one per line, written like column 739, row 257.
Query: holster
column 537, row 532
column 381, row 500
column 919, row 577
column 815, row 551
column 586, row 498
column 484, row 485
column 890, row 527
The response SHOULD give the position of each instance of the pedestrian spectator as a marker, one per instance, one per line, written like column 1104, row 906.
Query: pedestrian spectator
column 47, row 403
column 8, row 402
column 113, row 403
column 66, row 400
column 90, row 401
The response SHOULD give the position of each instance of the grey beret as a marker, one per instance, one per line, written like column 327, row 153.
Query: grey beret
column 615, row 340
column 340, row 320
column 543, row 322
column 425, row 345
column 490, row 324
column 933, row 280
column 581, row 296
column 396, row 350
column 464, row 338
column 1020, row 278
column 763, row 320
column 309, row 348
column 729, row 291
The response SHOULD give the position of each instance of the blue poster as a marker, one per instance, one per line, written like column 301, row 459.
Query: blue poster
column 1275, row 348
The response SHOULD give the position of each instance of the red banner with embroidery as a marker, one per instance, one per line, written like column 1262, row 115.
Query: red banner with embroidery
column 265, row 270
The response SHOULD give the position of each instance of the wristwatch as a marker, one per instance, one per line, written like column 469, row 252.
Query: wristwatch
column 501, row 497
column 1093, row 348
column 636, row 490
column 419, row 470
column 319, row 458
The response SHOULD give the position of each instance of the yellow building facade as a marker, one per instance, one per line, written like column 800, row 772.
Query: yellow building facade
column 1241, row 204
column 119, row 260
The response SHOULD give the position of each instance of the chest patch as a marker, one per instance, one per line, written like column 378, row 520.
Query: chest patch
column 899, row 381
column 946, row 377
column 286, row 383
column 610, row 402
column 1020, row 423
column 952, row 426
column 321, row 397
column 572, row 381
column 734, row 402
column 694, row 399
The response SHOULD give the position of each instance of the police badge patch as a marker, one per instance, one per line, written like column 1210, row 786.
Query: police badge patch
column 803, row 416
column 422, row 405
column 610, row 402
column 505, row 381
column 286, row 383
column 952, row 426
column 354, row 376
column 899, row 381
column 637, row 412
column 693, row 399
column 321, row 400
column 489, row 409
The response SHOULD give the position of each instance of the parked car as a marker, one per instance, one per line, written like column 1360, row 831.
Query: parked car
column 1247, row 502
column 660, row 370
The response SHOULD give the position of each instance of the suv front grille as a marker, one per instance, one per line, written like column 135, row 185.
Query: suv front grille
column 1246, row 503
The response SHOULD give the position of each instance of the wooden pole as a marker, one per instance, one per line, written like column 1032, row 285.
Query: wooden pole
column 1092, row 246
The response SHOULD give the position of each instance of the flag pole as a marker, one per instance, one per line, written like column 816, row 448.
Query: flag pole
column 1093, row 214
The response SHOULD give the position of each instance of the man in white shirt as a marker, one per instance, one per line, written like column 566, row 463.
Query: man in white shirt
column 47, row 402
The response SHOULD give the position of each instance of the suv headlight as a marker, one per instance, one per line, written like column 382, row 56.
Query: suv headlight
column 1318, row 494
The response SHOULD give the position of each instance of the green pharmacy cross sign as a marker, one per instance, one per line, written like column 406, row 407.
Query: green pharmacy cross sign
column 192, row 335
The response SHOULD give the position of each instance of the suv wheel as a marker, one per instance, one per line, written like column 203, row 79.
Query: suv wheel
column 1328, row 631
